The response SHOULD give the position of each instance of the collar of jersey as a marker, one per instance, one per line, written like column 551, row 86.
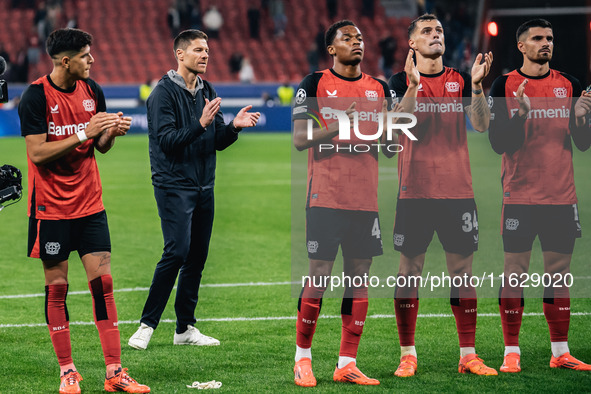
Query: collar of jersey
column 530, row 77
column 53, row 85
column 433, row 75
column 345, row 78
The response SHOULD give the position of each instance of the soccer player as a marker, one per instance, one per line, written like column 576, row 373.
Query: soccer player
column 64, row 119
column 435, row 188
column 342, row 206
column 186, row 128
column 539, row 199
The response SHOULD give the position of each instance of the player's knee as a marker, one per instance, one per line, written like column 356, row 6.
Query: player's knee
column 320, row 268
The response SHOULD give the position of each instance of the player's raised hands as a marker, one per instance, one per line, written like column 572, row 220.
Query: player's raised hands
column 123, row 127
column 522, row 99
column 480, row 68
column 583, row 104
column 410, row 68
column 101, row 121
column 210, row 109
column 246, row 119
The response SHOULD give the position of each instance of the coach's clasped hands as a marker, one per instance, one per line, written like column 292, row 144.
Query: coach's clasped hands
column 243, row 118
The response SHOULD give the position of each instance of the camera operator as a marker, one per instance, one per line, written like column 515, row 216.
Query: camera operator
column 3, row 85
column 10, row 184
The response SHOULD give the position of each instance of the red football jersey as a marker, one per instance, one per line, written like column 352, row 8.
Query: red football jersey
column 540, row 172
column 437, row 166
column 343, row 179
column 68, row 187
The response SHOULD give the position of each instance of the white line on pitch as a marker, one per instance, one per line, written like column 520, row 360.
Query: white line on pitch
column 247, row 284
column 271, row 318
column 132, row 289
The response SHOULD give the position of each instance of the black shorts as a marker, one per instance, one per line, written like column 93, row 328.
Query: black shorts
column 557, row 226
column 358, row 233
column 55, row 239
column 455, row 220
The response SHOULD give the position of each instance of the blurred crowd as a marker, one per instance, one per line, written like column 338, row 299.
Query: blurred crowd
column 262, row 18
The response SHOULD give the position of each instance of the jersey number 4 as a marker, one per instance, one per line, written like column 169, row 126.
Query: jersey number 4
column 375, row 230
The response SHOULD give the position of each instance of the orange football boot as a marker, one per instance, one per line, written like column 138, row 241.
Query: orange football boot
column 123, row 382
column 303, row 373
column 70, row 383
column 351, row 374
column 408, row 366
column 511, row 363
column 471, row 363
column 568, row 361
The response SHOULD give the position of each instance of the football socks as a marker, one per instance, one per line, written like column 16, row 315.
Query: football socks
column 56, row 316
column 353, row 313
column 309, row 306
column 105, row 317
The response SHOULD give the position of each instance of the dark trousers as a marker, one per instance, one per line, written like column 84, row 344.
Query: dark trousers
column 186, row 217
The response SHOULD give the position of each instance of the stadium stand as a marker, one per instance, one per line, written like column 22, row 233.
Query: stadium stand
column 133, row 40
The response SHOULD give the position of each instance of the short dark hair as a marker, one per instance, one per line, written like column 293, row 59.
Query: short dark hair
column 67, row 40
column 331, row 32
column 424, row 17
column 185, row 37
column 529, row 24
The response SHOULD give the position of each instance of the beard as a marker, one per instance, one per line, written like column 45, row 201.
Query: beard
column 542, row 58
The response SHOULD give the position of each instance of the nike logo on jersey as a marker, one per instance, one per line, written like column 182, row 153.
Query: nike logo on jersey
column 331, row 94
column 54, row 110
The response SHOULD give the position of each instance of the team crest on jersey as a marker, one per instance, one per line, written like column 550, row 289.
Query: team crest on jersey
column 88, row 105
column 52, row 248
column 398, row 239
column 312, row 246
column 331, row 94
column 300, row 96
column 371, row 95
column 560, row 92
column 452, row 87
column 511, row 224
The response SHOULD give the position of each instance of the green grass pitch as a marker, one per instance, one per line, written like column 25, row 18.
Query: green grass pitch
column 252, row 242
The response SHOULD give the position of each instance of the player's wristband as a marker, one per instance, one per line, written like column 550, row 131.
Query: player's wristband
column 81, row 136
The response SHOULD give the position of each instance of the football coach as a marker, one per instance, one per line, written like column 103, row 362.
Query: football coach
column 186, row 128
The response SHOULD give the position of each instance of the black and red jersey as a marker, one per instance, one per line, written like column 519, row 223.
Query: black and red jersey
column 537, row 166
column 437, row 166
column 342, row 179
column 68, row 187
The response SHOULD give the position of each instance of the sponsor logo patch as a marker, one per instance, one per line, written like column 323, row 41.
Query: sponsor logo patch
column 89, row 105
column 560, row 92
column 52, row 248
column 312, row 246
column 371, row 95
column 300, row 96
column 452, row 86
column 511, row 224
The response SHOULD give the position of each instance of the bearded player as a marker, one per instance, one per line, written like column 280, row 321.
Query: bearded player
column 539, row 199
column 435, row 188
